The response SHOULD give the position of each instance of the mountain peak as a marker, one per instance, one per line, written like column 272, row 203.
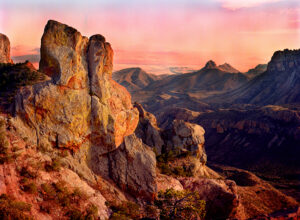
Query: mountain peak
column 228, row 68
column 210, row 65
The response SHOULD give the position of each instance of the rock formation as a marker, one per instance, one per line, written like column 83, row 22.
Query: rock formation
column 75, row 147
column 83, row 110
column 4, row 49
column 81, row 103
column 148, row 130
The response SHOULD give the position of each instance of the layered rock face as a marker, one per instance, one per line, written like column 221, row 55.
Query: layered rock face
column 4, row 49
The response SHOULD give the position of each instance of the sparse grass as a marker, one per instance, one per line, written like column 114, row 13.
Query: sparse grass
column 68, row 199
column 163, row 163
column 55, row 165
column 12, row 209
column 26, row 172
column 30, row 188
column 125, row 210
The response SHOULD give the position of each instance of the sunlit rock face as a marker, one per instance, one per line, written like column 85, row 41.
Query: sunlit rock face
column 81, row 103
column 83, row 110
column 4, row 49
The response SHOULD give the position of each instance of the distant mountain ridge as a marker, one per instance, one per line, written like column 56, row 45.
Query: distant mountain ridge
column 134, row 78
column 279, row 84
column 209, row 78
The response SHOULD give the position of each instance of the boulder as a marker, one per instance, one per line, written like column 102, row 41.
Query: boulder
column 221, row 197
column 186, row 136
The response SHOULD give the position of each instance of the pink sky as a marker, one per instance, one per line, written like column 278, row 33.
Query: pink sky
column 164, row 33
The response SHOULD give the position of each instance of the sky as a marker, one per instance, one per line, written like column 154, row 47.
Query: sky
column 159, row 34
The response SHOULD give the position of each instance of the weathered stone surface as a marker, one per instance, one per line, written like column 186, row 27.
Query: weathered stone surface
column 133, row 168
column 186, row 136
column 165, row 182
column 221, row 196
column 4, row 49
column 62, row 111
column 148, row 130
column 63, row 55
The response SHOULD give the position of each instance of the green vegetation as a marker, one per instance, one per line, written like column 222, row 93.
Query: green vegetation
column 13, row 76
column 68, row 199
column 12, row 209
column 171, row 204
column 125, row 210
column 180, row 205
column 163, row 163
column 90, row 213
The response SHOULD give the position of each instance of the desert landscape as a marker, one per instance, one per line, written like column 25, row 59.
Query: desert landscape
column 81, row 139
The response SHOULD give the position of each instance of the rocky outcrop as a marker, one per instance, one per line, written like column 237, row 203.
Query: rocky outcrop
column 81, row 103
column 4, row 49
column 187, row 137
column 133, row 167
column 148, row 130
column 222, row 200
column 285, row 61
column 81, row 109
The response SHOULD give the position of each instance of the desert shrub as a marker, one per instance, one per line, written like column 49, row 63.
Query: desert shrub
column 12, row 209
column 77, row 193
column 125, row 210
column 175, row 204
column 55, row 165
column 89, row 214
column 26, row 172
column 13, row 76
column 30, row 188
column 48, row 191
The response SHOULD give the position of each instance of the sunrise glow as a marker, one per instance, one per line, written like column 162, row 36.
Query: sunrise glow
column 163, row 33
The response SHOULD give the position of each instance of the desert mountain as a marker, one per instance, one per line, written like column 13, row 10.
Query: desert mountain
column 228, row 68
column 279, row 84
column 260, row 68
column 134, row 79
column 209, row 78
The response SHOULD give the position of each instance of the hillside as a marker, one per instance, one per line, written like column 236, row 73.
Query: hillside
column 209, row 78
column 134, row 79
column 279, row 84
